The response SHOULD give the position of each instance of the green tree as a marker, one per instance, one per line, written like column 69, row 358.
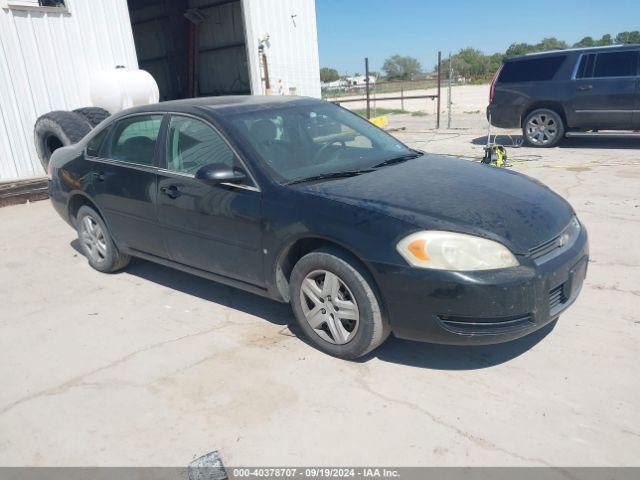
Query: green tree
column 516, row 49
column 328, row 75
column 628, row 37
column 398, row 67
column 473, row 62
column 495, row 61
column 605, row 40
column 585, row 42
column 551, row 43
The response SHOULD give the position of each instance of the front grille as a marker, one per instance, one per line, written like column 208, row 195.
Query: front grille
column 545, row 248
column 486, row 326
column 561, row 241
column 557, row 298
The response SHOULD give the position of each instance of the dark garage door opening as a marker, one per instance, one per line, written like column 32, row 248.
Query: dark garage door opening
column 193, row 48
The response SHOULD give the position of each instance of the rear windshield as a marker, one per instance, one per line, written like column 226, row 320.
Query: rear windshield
column 531, row 70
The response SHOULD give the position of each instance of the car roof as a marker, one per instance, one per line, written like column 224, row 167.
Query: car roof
column 228, row 104
column 550, row 53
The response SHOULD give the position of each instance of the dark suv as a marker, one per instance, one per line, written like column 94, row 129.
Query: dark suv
column 567, row 93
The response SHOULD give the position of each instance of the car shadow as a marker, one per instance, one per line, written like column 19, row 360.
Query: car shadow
column 274, row 312
column 506, row 140
column 593, row 143
column 402, row 352
column 453, row 357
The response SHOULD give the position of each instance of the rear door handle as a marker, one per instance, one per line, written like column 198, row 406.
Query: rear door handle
column 171, row 191
column 98, row 176
column 585, row 88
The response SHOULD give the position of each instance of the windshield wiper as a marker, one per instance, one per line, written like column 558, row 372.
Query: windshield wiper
column 328, row 176
column 400, row 159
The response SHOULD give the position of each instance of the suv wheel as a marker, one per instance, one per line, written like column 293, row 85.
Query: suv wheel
column 335, row 305
column 97, row 244
column 543, row 128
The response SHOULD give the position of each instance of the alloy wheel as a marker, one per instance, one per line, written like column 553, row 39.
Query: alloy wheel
column 329, row 307
column 93, row 239
column 542, row 129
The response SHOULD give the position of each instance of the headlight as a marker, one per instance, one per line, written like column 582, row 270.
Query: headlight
column 570, row 233
column 454, row 251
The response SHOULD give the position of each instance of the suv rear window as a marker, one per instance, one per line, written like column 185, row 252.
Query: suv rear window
column 531, row 70
column 610, row 64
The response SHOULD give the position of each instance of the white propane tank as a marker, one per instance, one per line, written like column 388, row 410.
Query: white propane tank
column 119, row 89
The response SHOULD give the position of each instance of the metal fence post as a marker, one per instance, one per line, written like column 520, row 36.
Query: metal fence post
column 439, row 87
column 366, row 70
column 402, row 98
column 449, row 94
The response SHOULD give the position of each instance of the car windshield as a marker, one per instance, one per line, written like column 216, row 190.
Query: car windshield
column 318, row 140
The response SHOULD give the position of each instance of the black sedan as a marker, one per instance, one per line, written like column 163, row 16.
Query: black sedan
column 304, row 202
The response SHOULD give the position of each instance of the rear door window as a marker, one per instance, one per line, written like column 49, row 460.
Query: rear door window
column 585, row 68
column 616, row 64
column 608, row 65
column 94, row 147
column 134, row 139
column 531, row 70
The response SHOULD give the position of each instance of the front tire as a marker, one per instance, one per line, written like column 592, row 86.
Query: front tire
column 97, row 244
column 335, row 305
column 543, row 128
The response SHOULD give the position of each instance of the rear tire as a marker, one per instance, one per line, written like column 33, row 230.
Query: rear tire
column 335, row 304
column 97, row 244
column 94, row 115
column 543, row 128
column 56, row 130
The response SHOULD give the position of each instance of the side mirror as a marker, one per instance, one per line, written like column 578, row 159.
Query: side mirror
column 216, row 173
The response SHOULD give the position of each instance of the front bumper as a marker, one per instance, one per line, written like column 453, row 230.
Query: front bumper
column 461, row 308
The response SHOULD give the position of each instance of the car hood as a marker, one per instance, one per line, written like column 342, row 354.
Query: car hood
column 436, row 192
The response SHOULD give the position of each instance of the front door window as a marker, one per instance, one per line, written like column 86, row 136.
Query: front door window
column 193, row 144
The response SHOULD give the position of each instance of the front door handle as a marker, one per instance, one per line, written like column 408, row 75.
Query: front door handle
column 585, row 88
column 171, row 191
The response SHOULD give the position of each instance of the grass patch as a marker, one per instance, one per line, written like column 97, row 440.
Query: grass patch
column 379, row 111
column 419, row 114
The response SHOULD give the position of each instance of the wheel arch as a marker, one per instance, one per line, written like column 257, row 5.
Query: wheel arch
column 76, row 201
column 549, row 105
column 301, row 246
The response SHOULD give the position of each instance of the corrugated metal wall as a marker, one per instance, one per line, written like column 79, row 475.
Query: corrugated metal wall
column 292, row 52
column 46, row 60
column 222, row 49
column 154, row 47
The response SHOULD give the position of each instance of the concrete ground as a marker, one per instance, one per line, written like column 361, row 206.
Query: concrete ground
column 155, row 367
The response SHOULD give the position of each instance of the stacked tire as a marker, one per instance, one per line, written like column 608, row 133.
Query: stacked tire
column 60, row 128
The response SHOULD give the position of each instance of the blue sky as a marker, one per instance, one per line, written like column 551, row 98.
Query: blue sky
column 349, row 30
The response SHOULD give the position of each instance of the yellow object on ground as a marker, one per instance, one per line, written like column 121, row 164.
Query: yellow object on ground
column 381, row 122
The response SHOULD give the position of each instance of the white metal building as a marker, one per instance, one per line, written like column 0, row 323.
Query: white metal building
column 49, row 50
